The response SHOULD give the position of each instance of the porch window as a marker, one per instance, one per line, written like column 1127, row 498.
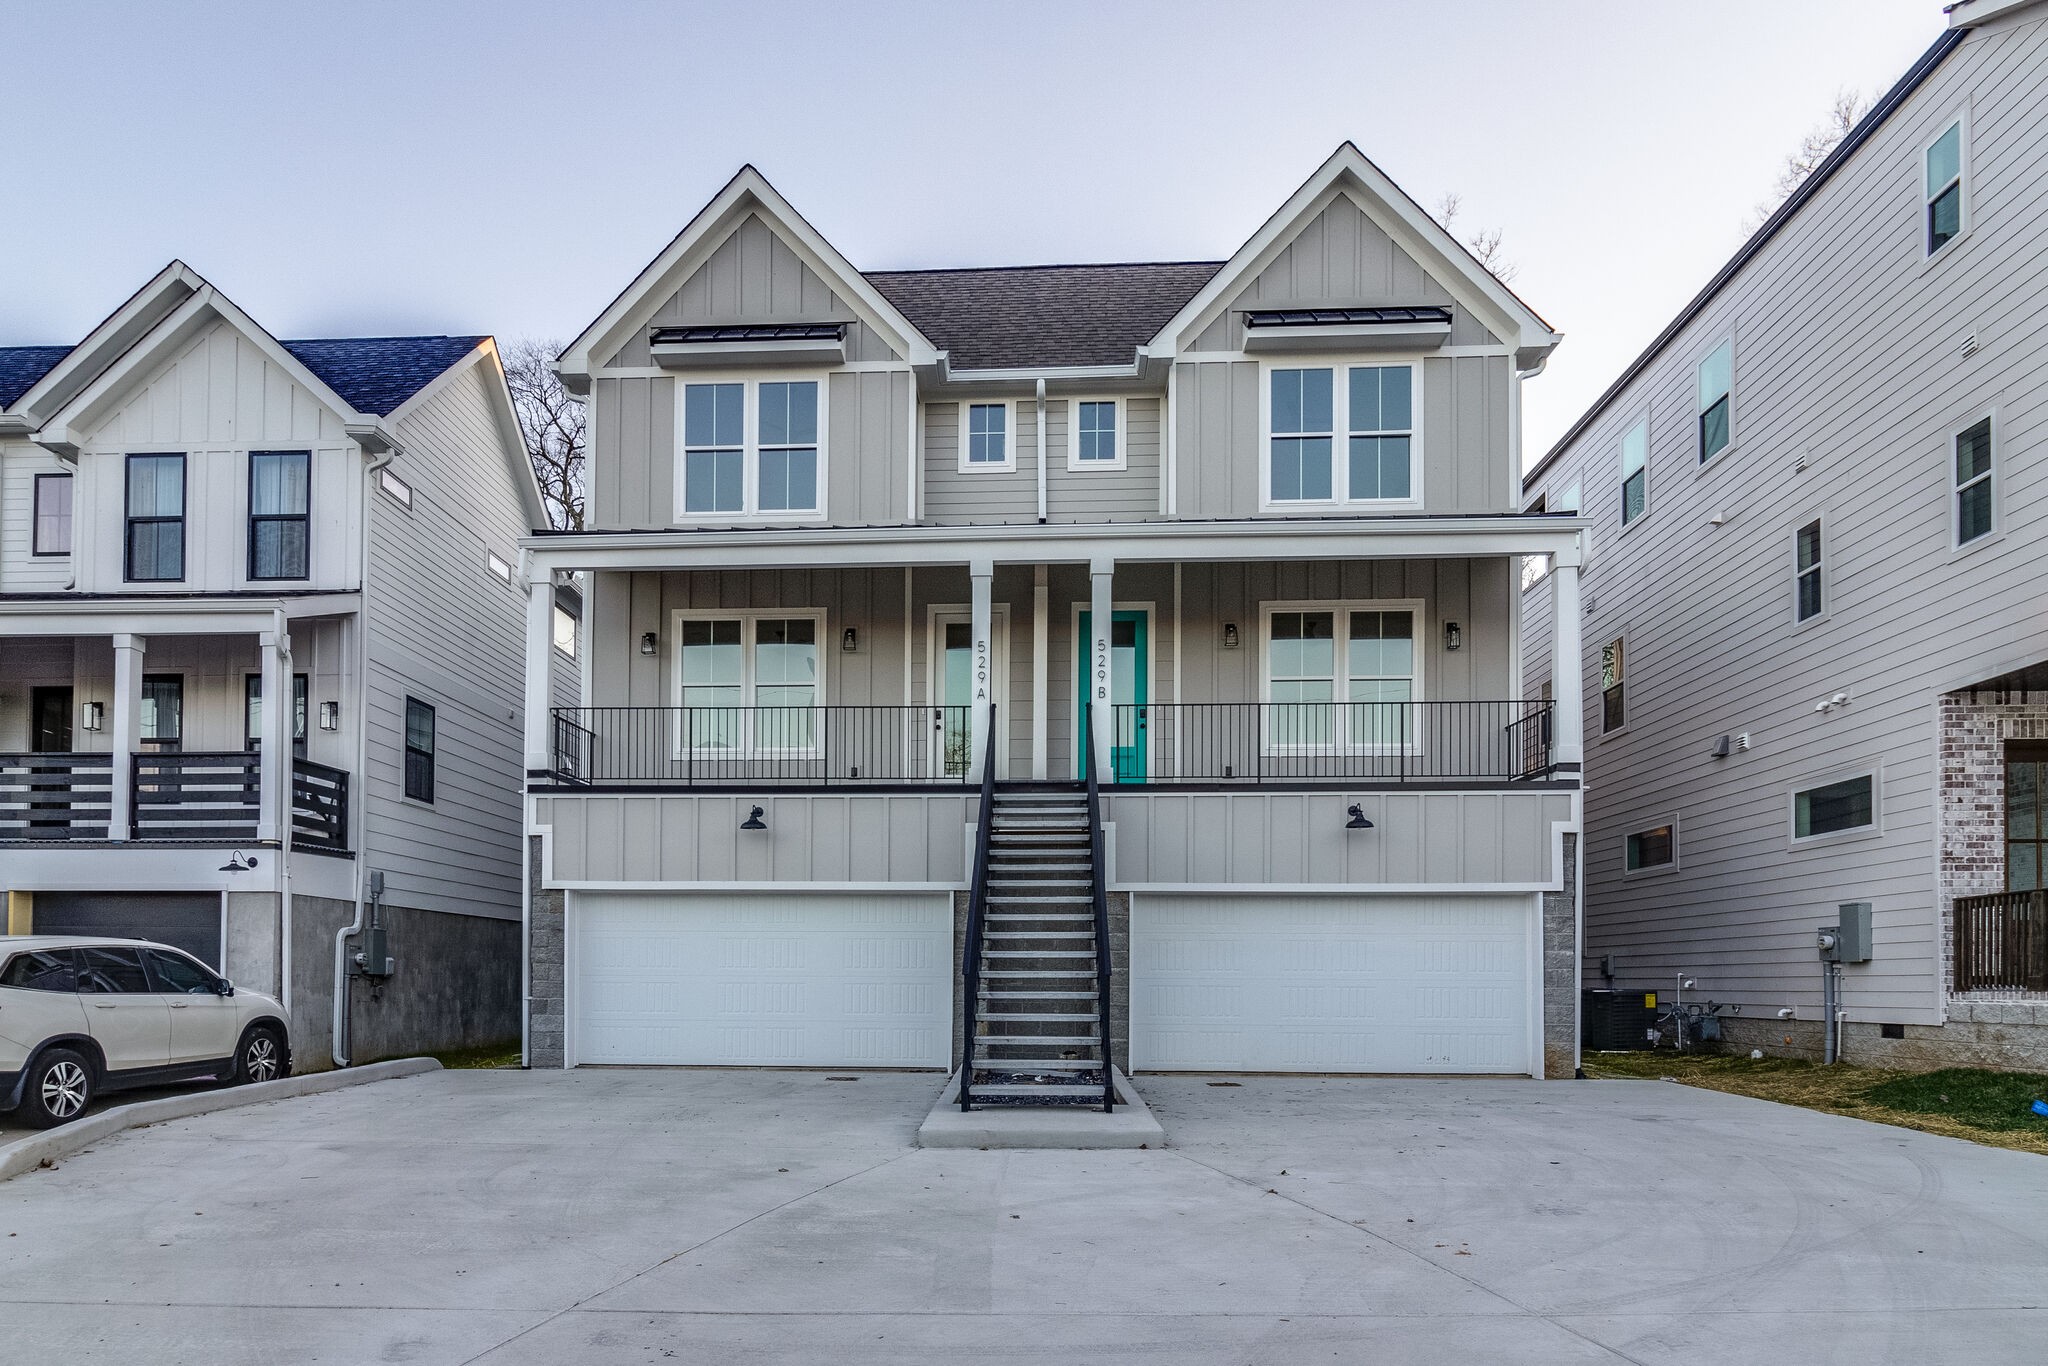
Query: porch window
column 279, row 494
column 1096, row 438
column 1322, row 698
column 2026, row 824
column 1635, row 472
column 163, row 710
column 1835, row 808
column 52, row 514
column 1808, row 573
column 419, row 750
column 751, row 448
column 1716, row 389
column 1944, row 188
column 156, row 519
column 1613, row 687
column 987, row 441
column 1973, row 505
column 750, row 682
column 252, row 711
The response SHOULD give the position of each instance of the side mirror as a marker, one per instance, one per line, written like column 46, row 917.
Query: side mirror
column 226, row 988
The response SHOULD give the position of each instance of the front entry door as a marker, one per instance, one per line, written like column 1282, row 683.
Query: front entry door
column 951, row 687
column 1130, row 692
column 51, row 720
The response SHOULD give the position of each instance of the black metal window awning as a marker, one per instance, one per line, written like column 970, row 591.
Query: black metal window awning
column 1346, row 317
column 748, row 332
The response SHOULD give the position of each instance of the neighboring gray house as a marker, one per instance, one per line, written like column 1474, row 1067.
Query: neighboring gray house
column 196, row 518
column 858, row 541
column 1816, row 622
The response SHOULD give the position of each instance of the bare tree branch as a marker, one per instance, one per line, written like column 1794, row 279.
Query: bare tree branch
column 1484, row 244
column 1848, row 108
column 552, row 422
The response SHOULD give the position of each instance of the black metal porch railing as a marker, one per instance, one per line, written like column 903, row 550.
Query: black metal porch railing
column 977, row 918
column 183, row 795
column 319, row 806
column 55, row 796
column 810, row 746
column 2001, row 940
column 1098, row 900
column 1253, row 742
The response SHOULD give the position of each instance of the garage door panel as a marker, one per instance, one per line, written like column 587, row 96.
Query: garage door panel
column 1330, row 984
column 796, row 981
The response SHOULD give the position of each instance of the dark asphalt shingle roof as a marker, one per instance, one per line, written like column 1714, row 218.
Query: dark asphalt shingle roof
column 1013, row 317
column 22, row 366
column 376, row 374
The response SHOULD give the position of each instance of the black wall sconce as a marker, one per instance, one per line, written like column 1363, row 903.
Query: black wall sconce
column 1230, row 635
column 849, row 641
column 1358, row 820
column 648, row 643
column 1453, row 637
column 754, row 821
column 330, row 716
column 93, row 716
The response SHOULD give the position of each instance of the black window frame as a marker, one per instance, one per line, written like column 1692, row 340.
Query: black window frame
column 1637, row 842
column 419, row 761
column 303, row 518
column 2026, row 764
column 252, row 690
column 131, row 521
column 36, row 547
column 166, row 742
column 1614, row 696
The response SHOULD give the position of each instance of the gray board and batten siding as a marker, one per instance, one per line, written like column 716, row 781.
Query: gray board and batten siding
column 1851, row 380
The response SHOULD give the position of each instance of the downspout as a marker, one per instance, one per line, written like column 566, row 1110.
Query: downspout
column 355, row 927
column 284, row 829
column 1041, row 451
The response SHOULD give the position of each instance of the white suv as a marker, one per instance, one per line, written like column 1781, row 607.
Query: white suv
column 81, row 1016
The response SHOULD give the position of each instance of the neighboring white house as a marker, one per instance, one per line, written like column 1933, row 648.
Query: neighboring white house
column 858, row 540
column 1816, row 622
column 197, row 518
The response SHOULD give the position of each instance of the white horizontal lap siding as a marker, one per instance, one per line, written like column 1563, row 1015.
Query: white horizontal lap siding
column 1333, row 983
column 21, row 569
column 765, row 980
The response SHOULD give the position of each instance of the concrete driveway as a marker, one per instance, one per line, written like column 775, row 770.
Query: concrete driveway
column 629, row 1216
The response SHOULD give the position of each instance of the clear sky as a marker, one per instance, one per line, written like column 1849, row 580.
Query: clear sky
column 506, row 167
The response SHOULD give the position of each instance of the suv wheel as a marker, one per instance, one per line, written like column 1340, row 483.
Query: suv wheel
column 58, row 1088
column 261, row 1056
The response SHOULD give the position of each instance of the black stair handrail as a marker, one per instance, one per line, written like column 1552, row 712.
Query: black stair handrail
column 1099, row 894
column 977, row 905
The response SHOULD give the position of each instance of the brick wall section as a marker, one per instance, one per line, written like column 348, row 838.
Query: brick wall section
column 545, row 1009
column 1561, row 971
column 1974, row 729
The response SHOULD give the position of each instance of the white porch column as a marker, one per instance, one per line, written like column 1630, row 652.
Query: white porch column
column 1101, row 616
column 127, row 728
column 1041, row 670
column 274, row 746
column 981, row 573
column 540, row 628
column 1567, row 668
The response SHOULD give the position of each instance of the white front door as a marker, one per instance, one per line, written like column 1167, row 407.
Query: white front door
column 950, row 684
column 1333, row 983
column 761, row 979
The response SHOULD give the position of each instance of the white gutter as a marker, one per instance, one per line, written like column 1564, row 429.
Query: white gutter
column 1041, row 450
column 284, row 825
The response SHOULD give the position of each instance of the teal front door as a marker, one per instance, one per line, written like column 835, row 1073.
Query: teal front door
column 1130, row 686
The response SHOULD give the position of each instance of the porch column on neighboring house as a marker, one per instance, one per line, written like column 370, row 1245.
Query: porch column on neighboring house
column 981, row 574
column 540, row 609
column 127, row 729
column 1101, row 619
column 1567, row 673
column 1041, row 670
column 274, row 746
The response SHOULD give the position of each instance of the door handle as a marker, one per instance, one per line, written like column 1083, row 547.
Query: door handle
column 180, row 1005
column 102, row 1005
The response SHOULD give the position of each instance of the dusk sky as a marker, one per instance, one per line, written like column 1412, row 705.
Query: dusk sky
column 507, row 167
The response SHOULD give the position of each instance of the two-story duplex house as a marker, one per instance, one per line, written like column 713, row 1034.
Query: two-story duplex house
column 261, row 661
column 1816, row 643
column 998, row 666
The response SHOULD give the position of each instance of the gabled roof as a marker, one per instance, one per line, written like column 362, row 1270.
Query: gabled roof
column 377, row 374
column 1043, row 317
column 22, row 366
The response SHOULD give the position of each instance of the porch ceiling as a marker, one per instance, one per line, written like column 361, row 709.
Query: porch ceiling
column 82, row 615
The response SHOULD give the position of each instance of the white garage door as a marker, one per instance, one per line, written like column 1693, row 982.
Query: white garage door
column 1332, row 984
column 782, row 980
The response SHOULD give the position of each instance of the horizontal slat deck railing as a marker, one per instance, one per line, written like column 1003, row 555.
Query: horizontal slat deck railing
column 1254, row 742
column 190, row 796
column 794, row 746
column 319, row 806
column 2001, row 940
column 55, row 796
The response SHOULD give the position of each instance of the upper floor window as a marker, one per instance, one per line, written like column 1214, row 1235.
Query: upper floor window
column 1944, row 187
column 53, row 515
column 419, row 750
column 1341, row 676
column 1808, row 573
column 1635, row 472
column 1716, row 385
column 1973, row 500
column 156, row 519
column 279, row 504
column 1374, row 408
column 1613, row 687
column 987, row 443
column 750, row 448
column 1098, row 442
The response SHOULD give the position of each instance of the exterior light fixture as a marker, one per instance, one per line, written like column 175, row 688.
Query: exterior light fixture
column 754, row 821
column 849, row 641
column 1453, row 637
column 330, row 716
column 1358, row 820
column 93, row 715
column 238, row 862
column 647, row 643
column 1230, row 635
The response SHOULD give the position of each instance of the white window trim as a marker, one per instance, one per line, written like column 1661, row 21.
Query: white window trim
column 1600, row 684
column 1825, row 569
column 1958, row 119
column 678, row 748
column 1957, row 545
column 1008, row 464
column 394, row 488
column 560, row 615
column 1074, row 460
column 1340, row 433
column 1654, row 869
column 1701, row 461
column 750, row 447
column 1340, row 625
column 1642, row 420
column 1874, row 772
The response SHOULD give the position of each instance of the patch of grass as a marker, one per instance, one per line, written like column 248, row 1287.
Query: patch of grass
column 489, row 1055
column 1981, row 1105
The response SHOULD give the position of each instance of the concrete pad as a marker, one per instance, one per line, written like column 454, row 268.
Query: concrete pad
column 1018, row 1126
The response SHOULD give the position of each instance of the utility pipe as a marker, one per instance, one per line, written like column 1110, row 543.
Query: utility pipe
column 1041, row 449
column 355, row 927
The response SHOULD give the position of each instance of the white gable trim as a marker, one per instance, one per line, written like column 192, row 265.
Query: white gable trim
column 117, row 333
column 1350, row 175
column 747, row 193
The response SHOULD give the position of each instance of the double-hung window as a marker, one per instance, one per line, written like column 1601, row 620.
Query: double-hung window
column 419, row 750
column 985, row 445
column 1943, row 190
column 1613, row 687
column 1373, row 406
column 749, row 683
column 751, row 448
column 1341, row 677
column 1098, row 443
column 1716, row 388
column 1973, row 497
column 52, row 515
column 1807, row 559
column 1635, row 472
column 156, row 519
column 279, row 507
column 163, row 711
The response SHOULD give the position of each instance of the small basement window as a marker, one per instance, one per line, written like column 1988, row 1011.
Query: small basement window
column 1656, row 847
column 1835, row 808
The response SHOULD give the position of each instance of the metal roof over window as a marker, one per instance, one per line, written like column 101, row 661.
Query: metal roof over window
column 747, row 332
column 1346, row 317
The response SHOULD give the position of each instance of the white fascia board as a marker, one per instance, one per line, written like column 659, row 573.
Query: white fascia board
column 1349, row 337
column 106, row 343
column 176, row 617
column 749, row 191
column 1975, row 13
column 769, row 351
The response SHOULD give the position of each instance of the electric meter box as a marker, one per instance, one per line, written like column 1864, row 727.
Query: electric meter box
column 1854, row 932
